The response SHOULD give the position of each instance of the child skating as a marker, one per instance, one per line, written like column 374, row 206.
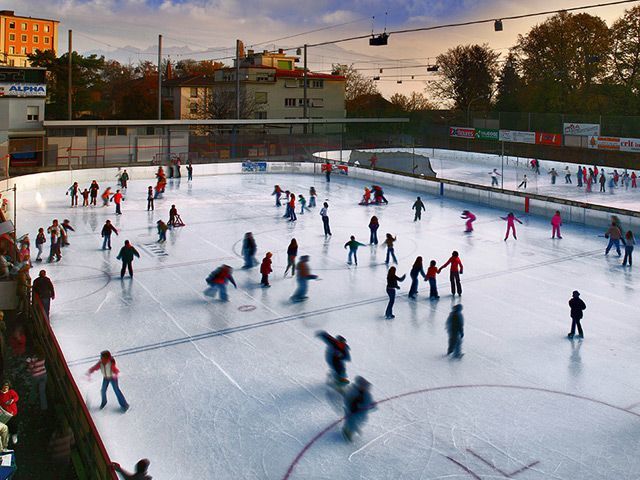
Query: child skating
column 312, row 197
column 470, row 218
column 265, row 270
column 556, row 222
column 629, row 242
column 162, row 231
column 389, row 241
column 353, row 245
column 107, row 230
column 85, row 197
column 432, row 271
column 358, row 402
column 336, row 354
column 292, row 253
column 217, row 281
column 303, row 204
column 511, row 225
column 303, row 277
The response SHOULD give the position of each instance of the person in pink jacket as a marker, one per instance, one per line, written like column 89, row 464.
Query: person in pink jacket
column 470, row 218
column 511, row 225
column 556, row 221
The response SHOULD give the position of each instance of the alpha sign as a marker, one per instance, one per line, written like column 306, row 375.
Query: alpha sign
column 23, row 90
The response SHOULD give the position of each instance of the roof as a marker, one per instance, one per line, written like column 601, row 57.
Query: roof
column 159, row 123
column 5, row 14
column 300, row 74
column 190, row 81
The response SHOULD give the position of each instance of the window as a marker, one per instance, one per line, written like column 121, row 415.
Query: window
column 46, row 40
column 46, row 28
column 317, row 83
column 23, row 50
column 263, row 77
column 12, row 62
column 290, row 83
column 261, row 115
column 102, row 131
column 261, row 97
column 12, row 37
column 112, row 131
column 23, row 38
column 36, row 27
column 289, row 102
column 35, row 39
column 12, row 50
column 301, row 102
column 33, row 113
column 193, row 107
column 23, row 25
column 284, row 64
column 67, row 132
column 193, row 92
column 317, row 102
column 12, row 24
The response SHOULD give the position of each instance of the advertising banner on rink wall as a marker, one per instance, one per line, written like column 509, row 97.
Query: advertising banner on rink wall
column 517, row 136
column 582, row 129
column 554, row 139
column 604, row 143
column 462, row 132
column 487, row 134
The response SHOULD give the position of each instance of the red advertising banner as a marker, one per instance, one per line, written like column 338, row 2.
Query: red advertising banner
column 549, row 139
column 462, row 132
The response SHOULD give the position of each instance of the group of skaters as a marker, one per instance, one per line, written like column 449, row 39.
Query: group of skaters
column 290, row 202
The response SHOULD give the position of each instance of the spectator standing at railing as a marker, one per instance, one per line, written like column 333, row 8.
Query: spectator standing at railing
column 141, row 472
column 60, row 446
column 43, row 289
column 9, row 403
column 38, row 372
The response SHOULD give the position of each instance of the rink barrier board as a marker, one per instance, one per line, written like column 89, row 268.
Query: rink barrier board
column 89, row 455
column 572, row 211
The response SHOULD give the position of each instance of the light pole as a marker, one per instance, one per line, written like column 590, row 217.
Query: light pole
column 469, row 106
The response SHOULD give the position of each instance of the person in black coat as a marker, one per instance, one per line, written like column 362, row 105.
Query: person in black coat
column 455, row 329
column 577, row 307
column 392, row 286
column 126, row 255
column 336, row 355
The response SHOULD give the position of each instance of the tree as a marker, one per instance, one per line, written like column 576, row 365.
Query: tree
column 86, row 78
column 415, row 102
column 468, row 74
column 625, row 33
column 509, row 86
column 189, row 67
column 356, row 84
column 561, row 58
column 221, row 104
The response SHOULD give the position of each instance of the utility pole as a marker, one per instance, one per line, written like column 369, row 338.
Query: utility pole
column 70, row 82
column 159, row 77
column 304, row 105
column 238, row 79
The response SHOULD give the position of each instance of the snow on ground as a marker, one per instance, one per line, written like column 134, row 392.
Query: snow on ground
column 237, row 390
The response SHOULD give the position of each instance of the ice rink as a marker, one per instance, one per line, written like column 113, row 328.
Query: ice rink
column 476, row 168
column 238, row 390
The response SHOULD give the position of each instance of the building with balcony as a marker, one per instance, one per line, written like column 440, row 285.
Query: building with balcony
column 21, row 36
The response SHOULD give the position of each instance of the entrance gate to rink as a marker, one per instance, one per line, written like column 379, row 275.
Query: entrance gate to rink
column 90, row 458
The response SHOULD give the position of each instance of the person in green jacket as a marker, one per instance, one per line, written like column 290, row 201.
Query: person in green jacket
column 126, row 255
column 353, row 249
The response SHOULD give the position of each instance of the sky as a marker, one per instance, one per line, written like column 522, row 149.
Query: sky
column 127, row 30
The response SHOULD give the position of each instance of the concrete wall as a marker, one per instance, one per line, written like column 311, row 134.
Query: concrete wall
column 13, row 113
column 468, row 194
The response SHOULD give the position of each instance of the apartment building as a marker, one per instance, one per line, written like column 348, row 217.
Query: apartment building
column 271, row 87
column 21, row 36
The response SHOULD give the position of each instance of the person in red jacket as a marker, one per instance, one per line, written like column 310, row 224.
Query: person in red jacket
column 109, row 370
column 117, row 199
column 265, row 269
column 455, row 272
column 218, row 280
column 9, row 403
column 634, row 180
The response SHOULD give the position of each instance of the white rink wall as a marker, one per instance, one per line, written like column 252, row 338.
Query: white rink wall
column 506, row 201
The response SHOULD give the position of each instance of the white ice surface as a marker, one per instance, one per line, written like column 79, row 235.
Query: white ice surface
column 475, row 167
column 218, row 393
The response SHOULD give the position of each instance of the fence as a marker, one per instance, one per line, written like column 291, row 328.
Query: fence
column 91, row 459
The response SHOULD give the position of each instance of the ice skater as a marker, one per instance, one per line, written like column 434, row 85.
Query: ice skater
column 312, row 197
column 603, row 181
column 418, row 206
column 277, row 191
column 336, row 355
column 218, row 279
column 303, row 277
column 389, row 241
column 127, row 252
column 162, row 231
column 54, row 239
column 141, row 472
column 292, row 207
column 85, row 197
column 65, row 228
column 374, row 225
column 415, row 272
column 249, row 250
column 353, row 245
column 106, row 195
column 41, row 239
column 110, row 372
column 556, row 222
column 358, row 402
column 73, row 192
column 455, row 271
column 523, row 183
column 189, row 172
column 150, row 196
column 324, row 213
column 175, row 220
column 567, row 174
column 577, row 306
column 614, row 234
column 392, row 286
column 378, row 195
column 432, row 271
column 455, row 329
column 470, row 218
column 629, row 242
column 303, row 204
column 265, row 269
column 292, row 253
column 554, row 175
column 579, row 176
column 94, row 188
column 117, row 198
column 634, row 180
column 494, row 177
column 107, row 230
column 366, row 197
column 327, row 171
column 511, row 225
column 124, row 178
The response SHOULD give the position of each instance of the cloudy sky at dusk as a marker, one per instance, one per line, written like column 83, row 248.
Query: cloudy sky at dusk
column 128, row 29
